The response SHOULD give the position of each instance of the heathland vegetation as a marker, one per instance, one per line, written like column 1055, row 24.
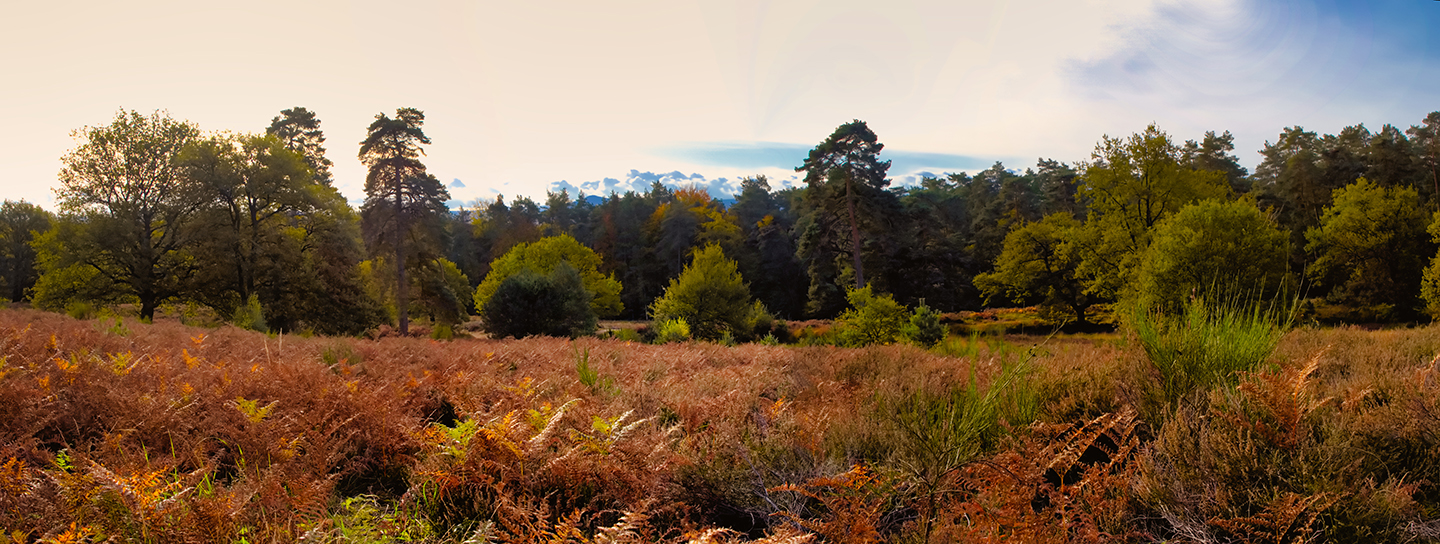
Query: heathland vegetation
column 238, row 362
column 1215, row 425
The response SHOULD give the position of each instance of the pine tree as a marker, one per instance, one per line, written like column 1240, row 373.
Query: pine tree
column 403, row 203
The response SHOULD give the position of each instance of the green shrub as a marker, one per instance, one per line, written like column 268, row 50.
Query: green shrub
column 627, row 335
column 80, row 309
column 871, row 319
column 528, row 304
column 442, row 332
column 671, row 330
column 1204, row 242
column 543, row 257
column 710, row 296
column 924, row 328
column 1208, row 342
column 250, row 315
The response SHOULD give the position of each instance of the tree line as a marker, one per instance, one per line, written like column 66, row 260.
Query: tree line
column 153, row 211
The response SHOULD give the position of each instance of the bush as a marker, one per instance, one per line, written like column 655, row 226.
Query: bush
column 924, row 328
column 250, row 316
column 1207, row 241
column 872, row 319
column 671, row 330
column 542, row 257
column 710, row 296
column 528, row 304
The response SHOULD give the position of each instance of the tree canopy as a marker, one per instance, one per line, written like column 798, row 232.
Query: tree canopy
column 541, row 257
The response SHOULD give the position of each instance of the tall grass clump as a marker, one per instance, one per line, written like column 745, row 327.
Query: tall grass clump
column 941, row 432
column 1207, row 342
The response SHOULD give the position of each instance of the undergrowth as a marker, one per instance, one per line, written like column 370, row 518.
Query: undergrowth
column 169, row 433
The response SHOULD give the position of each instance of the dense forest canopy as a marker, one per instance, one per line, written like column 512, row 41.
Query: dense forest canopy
column 154, row 211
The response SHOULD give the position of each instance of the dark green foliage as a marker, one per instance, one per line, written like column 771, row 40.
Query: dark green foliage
column 300, row 130
column 528, row 304
column 845, row 215
column 404, row 204
column 20, row 222
column 924, row 328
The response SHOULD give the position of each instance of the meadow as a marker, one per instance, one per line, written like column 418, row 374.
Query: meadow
column 116, row 430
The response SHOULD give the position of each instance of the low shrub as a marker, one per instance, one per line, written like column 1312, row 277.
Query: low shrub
column 672, row 330
column 872, row 319
column 924, row 328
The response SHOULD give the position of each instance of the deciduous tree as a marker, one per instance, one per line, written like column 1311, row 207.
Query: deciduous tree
column 136, row 206
column 20, row 221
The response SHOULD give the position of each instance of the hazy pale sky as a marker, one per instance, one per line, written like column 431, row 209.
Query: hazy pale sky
column 521, row 97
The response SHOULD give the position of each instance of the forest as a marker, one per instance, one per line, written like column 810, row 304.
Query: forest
column 207, row 343
column 154, row 212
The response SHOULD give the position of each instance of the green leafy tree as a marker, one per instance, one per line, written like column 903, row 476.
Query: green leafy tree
column 691, row 219
column 255, row 188
column 1430, row 282
column 1370, row 248
column 528, row 304
column 134, row 206
column 300, row 130
column 541, row 257
column 444, row 291
column 329, row 293
column 1214, row 245
column 845, row 214
column 1131, row 185
column 872, row 319
column 1040, row 264
column 404, row 205
column 709, row 295
column 20, row 222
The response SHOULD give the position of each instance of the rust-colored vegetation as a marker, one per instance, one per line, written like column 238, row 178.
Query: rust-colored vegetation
column 168, row 433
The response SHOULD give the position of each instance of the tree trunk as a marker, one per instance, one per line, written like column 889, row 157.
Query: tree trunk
column 402, row 289
column 854, row 232
column 147, row 307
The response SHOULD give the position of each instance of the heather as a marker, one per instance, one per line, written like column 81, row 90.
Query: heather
column 170, row 433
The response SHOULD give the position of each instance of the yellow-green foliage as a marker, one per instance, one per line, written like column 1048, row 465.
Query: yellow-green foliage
column 541, row 257
column 709, row 295
column 871, row 319
column 1371, row 246
column 1213, row 244
column 1430, row 285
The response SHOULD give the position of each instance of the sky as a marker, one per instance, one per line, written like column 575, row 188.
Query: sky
column 525, row 97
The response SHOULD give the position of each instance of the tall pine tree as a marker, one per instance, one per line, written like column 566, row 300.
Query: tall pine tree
column 403, row 203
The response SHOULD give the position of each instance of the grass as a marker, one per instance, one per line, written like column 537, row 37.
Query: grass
column 1209, row 343
column 170, row 433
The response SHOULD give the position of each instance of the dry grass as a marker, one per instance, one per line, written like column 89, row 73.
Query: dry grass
column 168, row 433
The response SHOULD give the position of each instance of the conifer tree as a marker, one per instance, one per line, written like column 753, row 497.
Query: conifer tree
column 403, row 203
